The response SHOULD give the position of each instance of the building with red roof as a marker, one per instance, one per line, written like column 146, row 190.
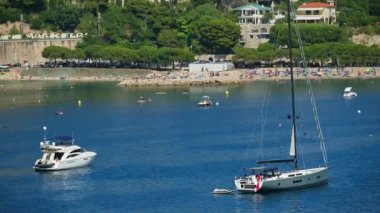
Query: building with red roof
column 316, row 12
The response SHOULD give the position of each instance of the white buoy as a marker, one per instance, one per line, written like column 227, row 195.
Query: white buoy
column 79, row 102
column 44, row 128
column 217, row 103
column 226, row 92
column 359, row 111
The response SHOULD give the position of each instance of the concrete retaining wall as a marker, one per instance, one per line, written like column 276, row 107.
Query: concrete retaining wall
column 20, row 51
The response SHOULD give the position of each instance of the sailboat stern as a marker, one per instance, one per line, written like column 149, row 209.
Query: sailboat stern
column 249, row 184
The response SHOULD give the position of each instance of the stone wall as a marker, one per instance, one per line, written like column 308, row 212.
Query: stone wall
column 21, row 51
column 252, row 35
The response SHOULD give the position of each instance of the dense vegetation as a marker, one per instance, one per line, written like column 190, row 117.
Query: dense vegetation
column 142, row 31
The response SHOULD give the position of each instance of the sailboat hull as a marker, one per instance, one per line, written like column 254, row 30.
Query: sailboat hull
column 285, row 181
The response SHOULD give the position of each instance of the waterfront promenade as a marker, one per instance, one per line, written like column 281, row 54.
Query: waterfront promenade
column 135, row 77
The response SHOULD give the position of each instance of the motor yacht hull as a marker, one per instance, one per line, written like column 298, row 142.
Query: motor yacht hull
column 81, row 160
column 285, row 181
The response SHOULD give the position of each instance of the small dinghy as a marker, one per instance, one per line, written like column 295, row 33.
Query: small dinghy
column 59, row 113
column 222, row 191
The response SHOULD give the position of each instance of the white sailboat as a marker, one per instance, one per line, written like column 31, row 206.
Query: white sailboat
column 272, row 179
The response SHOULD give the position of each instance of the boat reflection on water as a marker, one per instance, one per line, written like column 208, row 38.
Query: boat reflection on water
column 67, row 184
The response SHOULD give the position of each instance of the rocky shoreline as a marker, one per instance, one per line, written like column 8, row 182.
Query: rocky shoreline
column 148, row 78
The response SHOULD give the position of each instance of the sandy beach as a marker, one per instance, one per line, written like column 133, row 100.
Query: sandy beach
column 136, row 78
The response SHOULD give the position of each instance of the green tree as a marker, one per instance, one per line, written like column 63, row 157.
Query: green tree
column 147, row 55
column 55, row 52
column 353, row 13
column 78, row 54
column 65, row 18
column 88, row 24
column 138, row 15
column 310, row 34
column 27, row 5
column 9, row 14
column 170, row 38
column 216, row 35
column 113, row 25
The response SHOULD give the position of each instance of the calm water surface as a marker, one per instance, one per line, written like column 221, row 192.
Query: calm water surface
column 167, row 155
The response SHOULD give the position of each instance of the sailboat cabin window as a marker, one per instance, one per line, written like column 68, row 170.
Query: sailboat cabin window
column 297, row 181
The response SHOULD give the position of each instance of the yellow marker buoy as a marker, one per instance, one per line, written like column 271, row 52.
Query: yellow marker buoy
column 226, row 93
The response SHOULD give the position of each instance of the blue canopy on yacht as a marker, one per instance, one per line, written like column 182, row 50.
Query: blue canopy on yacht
column 63, row 140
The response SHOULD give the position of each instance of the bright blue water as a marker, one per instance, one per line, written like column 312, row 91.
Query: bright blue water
column 168, row 155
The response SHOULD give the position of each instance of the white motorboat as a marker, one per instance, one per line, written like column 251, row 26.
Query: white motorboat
column 205, row 101
column 160, row 93
column 222, row 191
column 60, row 153
column 141, row 100
column 265, row 178
column 349, row 93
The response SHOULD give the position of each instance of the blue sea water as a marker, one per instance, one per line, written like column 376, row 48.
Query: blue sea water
column 167, row 154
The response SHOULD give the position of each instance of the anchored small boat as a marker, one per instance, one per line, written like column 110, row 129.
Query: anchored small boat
column 141, row 100
column 222, row 191
column 349, row 93
column 205, row 101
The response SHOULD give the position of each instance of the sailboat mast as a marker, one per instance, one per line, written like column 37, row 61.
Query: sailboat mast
column 292, row 88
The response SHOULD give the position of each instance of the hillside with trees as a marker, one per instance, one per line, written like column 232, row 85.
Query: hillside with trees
column 151, row 33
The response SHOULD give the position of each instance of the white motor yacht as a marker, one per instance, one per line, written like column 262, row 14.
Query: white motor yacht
column 60, row 153
column 349, row 93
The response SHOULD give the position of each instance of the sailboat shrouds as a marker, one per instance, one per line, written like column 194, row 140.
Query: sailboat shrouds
column 263, row 178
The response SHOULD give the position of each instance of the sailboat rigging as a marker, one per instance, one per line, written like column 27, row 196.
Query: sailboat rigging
column 272, row 179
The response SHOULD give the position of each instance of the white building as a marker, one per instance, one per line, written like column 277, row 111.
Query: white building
column 316, row 12
column 254, row 27
column 202, row 67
